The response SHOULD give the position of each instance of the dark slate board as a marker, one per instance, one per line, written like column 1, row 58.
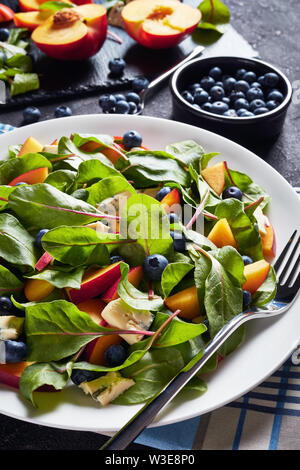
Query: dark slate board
column 74, row 79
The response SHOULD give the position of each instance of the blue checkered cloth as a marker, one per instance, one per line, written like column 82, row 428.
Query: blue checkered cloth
column 266, row 418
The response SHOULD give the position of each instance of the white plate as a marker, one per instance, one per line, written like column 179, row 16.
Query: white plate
column 268, row 343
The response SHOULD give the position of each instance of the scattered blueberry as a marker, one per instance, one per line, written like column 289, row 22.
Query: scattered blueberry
column 162, row 193
column 116, row 66
column 207, row 106
column 120, row 97
column 31, row 114
column 217, row 93
column 261, row 110
column 240, row 73
column 134, row 97
column 215, row 73
column 229, row 84
column 247, row 299
column 250, row 77
column 139, row 84
column 38, row 237
column 5, row 305
column 132, row 107
column 218, row 107
column 271, row 105
column 275, row 95
column 115, row 259
column 179, row 241
column 4, row 34
column 122, row 107
column 207, row 82
column 115, row 355
column 241, row 103
column 200, row 97
column 173, row 218
column 15, row 351
column 63, row 111
column 232, row 192
column 256, row 104
column 230, row 113
column 271, row 79
column 188, row 96
column 132, row 139
column 20, row 183
column 247, row 260
column 241, row 85
column 78, row 376
column 107, row 102
column 255, row 94
column 154, row 265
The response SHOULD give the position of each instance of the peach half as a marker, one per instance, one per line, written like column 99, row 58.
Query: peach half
column 159, row 24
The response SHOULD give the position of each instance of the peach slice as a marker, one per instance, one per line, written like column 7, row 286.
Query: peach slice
column 215, row 177
column 135, row 276
column 73, row 33
column 44, row 261
column 221, row 234
column 31, row 177
column 268, row 240
column 93, row 307
column 6, row 13
column 31, row 145
column 171, row 202
column 186, row 301
column 31, row 19
column 159, row 24
column 94, row 282
column 255, row 274
column 37, row 289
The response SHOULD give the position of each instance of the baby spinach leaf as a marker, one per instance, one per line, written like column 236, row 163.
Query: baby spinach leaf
column 104, row 141
column 186, row 152
column 24, row 82
column 231, row 261
column 178, row 331
column 91, row 171
column 16, row 245
column 61, row 179
column 173, row 274
column 9, row 283
column 61, row 277
column 18, row 166
column 108, row 187
column 67, row 146
column 267, row 291
column 4, row 193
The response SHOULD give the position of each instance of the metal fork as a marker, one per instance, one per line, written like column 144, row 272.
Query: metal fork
column 285, row 296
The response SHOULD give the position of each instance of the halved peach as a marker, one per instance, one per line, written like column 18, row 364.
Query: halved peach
column 159, row 24
column 186, row 301
column 255, row 274
column 221, row 234
column 215, row 176
column 73, row 33
column 31, row 177
column 31, row 145
column 31, row 19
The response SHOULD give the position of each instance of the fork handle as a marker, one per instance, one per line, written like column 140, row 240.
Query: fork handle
column 146, row 415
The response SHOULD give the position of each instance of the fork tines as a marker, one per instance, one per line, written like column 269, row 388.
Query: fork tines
column 286, row 260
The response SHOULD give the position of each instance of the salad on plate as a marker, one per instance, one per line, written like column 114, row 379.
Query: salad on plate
column 120, row 263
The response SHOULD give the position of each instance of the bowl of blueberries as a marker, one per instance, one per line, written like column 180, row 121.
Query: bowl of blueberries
column 237, row 97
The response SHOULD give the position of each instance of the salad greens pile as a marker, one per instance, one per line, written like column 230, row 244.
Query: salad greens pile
column 55, row 330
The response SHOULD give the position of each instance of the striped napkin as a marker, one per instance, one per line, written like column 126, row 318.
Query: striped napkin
column 266, row 418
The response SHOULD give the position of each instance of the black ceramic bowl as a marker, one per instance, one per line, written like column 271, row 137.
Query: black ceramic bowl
column 241, row 129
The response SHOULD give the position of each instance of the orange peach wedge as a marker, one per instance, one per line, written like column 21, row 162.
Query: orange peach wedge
column 215, row 176
column 186, row 301
column 255, row 274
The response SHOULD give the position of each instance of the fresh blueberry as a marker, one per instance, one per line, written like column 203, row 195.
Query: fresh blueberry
column 219, row 83
column 256, row 85
column 230, row 113
column 241, row 103
column 244, row 113
column 218, row 107
column 261, row 110
column 207, row 82
column 162, row 193
column 257, row 104
column 122, row 107
column 207, row 106
column 217, row 93
column 247, row 299
column 200, row 97
column 229, row 84
column 20, row 183
column 275, row 95
column 38, row 237
column 232, row 192
column 115, row 259
column 132, row 107
column 107, row 102
column 120, row 97
column 78, row 376
column 271, row 80
column 194, row 87
column 226, row 100
column 272, row 104
column 225, row 77
column 179, row 241
column 116, row 66
column 173, row 218
column 197, row 106
column 134, row 97
column 153, row 266
column 241, row 111
column 261, row 79
column 240, row 73
column 255, row 94
column 5, row 305
column 247, row 260
column 187, row 96
column 15, row 351
column 241, row 85
column 250, row 77
column 115, row 355
column 139, row 84
column 4, row 34
column 215, row 73
column 31, row 114
column 132, row 139
column 63, row 111
column 235, row 95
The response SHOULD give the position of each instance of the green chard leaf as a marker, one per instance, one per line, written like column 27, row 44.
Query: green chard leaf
column 61, row 276
column 186, row 152
column 14, row 167
column 9, row 283
column 173, row 274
